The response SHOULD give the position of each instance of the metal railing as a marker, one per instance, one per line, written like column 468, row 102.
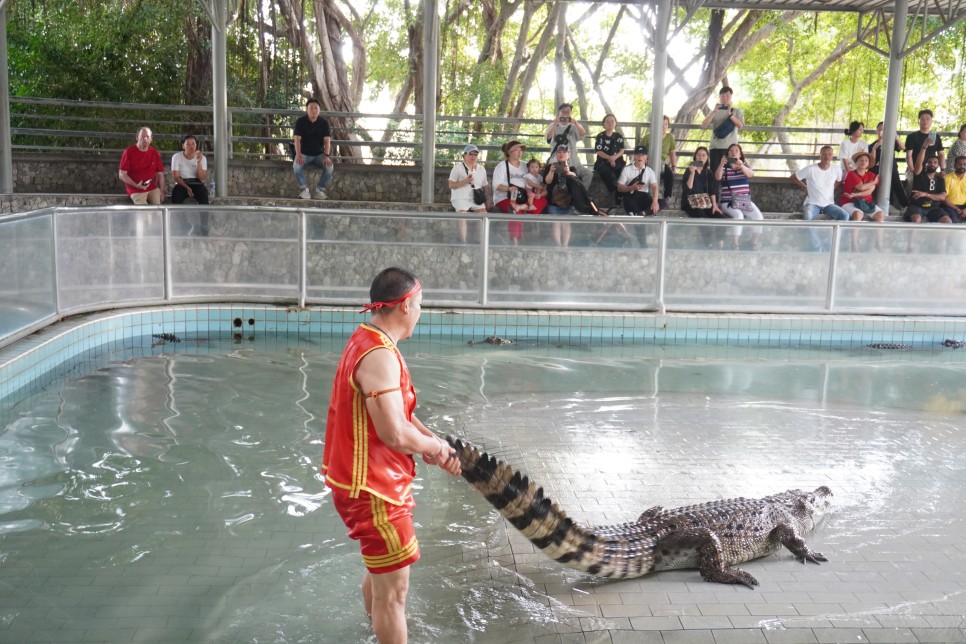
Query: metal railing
column 64, row 261
column 56, row 125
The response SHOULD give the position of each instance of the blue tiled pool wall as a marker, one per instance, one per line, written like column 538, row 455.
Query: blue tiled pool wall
column 58, row 349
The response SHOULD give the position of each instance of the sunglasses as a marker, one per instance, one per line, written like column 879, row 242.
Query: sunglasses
column 473, row 153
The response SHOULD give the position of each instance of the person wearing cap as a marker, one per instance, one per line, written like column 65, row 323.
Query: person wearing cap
column 510, row 186
column 465, row 178
column 556, row 175
column 724, row 120
column 638, row 184
column 858, row 189
column 371, row 436
column 566, row 130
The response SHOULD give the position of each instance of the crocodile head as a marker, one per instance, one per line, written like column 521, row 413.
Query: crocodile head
column 809, row 508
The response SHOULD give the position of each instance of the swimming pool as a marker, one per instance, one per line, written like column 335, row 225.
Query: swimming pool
column 164, row 492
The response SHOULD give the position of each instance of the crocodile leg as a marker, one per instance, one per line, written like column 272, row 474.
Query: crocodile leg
column 789, row 538
column 711, row 560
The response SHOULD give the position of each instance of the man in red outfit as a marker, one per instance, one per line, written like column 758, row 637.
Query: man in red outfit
column 370, row 438
column 141, row 170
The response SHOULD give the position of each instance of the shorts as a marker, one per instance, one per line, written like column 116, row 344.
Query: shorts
column 152, row 197
column 461, row 204
column 385, row 532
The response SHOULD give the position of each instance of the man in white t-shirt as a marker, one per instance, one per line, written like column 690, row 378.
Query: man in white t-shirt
column 819, row 182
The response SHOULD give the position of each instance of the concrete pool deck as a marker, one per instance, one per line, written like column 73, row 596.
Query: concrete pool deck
column 894, row 540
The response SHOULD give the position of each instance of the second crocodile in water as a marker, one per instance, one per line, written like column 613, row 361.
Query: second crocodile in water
column 713, row 537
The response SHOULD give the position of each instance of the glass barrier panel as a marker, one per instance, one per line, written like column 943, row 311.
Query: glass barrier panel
column 344, row 253
column 27, row 265
column 729, row 266
column 233, row 252
column 899, row 269
column 109, row 256
column 606, row 262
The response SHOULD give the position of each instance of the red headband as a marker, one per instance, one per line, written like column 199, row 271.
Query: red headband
column 375, row 306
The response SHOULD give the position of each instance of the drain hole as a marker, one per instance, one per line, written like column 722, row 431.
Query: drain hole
column 251, row 321
column 237, row 322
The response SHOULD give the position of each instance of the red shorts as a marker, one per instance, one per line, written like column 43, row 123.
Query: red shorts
column 384, row 531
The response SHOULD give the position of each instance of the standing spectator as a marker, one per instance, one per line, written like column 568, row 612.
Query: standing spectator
column 566, row 130
column 313, row 145
column 956, row 150
column 819, row 182
column 732, row 176
column 510, row 187
column 898, row 188
column 851, row 145
column 699, row 197
column 189, row 169
column 857, row 190
column 725, row 121
column 371, row 437
column 467, row 184
column 669, row 160
column 142, row 171
column 956, row 188
column 610, row 155
column 923, row 138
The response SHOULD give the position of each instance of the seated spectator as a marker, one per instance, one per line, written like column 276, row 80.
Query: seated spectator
column 312, row 140
column 819, row 181
column 510, row 186
column 189, row 169
column 467, row 184
column 852, row 145
column 956, row 150
column 857, row 191
column 956, row 187
column 556, row 175
column 928, row 193
column 536, row 188
column 141, row 170
column 732, row 176
column 610, row 155
column 899, row 196
column 699, row 197
column 566, row 130
column 669, row 160
column 639, row 186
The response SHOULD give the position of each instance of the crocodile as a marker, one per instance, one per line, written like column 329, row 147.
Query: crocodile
column 712, row 537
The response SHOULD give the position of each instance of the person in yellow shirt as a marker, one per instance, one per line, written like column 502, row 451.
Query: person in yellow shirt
column 956, row 189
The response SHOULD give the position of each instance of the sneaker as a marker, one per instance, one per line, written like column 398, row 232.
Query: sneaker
column 320, row 194
column 305, row 194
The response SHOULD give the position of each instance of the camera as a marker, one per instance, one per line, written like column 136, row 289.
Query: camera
column 560, row 167
column 565, row 119
column 732, row 160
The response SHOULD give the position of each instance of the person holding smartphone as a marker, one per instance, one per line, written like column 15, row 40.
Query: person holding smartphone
column 566, row 130
column 724, row 120
column 142, row 171
column 924, row 137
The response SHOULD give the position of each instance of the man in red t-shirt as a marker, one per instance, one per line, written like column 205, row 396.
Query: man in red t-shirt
column 142, row 171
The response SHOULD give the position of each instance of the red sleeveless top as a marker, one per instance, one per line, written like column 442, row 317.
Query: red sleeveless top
column 354, row 459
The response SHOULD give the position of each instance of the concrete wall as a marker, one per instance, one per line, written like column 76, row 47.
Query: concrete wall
column 95, row 175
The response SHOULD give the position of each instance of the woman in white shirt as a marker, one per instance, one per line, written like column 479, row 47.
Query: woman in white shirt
column 465, row 178
column 852, row 145
column 189, row 168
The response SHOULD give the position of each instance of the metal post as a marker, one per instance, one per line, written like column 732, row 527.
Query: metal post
column 889, row 121
column 430, row 65
column 661, row 28
column 6, row 155
column 219, row 93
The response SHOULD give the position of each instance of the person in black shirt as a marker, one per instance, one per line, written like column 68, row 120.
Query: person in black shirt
column 610, row 155
column 312, row 138
column 924, row 138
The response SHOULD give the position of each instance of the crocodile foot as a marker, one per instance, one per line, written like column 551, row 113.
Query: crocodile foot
column 730, row 576
column 810, row 555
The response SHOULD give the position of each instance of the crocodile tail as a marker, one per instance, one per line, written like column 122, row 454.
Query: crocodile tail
column 619, row 551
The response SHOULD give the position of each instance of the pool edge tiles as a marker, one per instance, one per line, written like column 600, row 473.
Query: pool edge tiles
column 43, row 353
